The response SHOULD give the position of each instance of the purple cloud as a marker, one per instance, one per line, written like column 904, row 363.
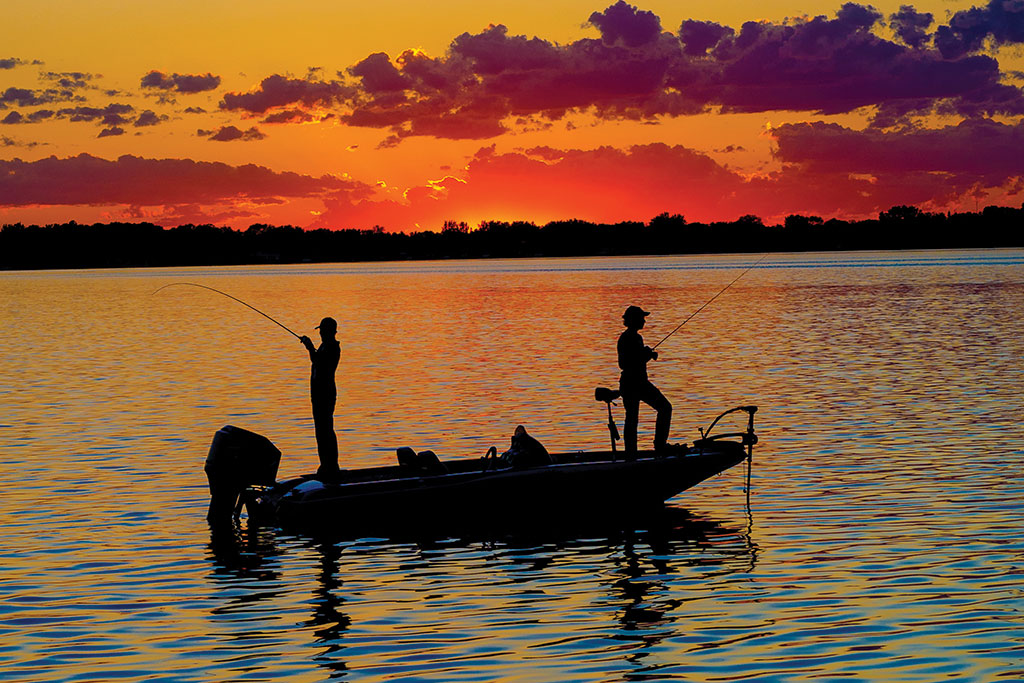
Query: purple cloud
column 281, row 91
column 185, row 84
column 231, row 133
column 625, row 24
column 131, row 180
column 824, row 65
column 700, row 36
column 911, row 26
column 1000, row 20
column 148, row 118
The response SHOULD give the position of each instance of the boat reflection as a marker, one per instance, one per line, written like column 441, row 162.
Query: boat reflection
column 562, row 583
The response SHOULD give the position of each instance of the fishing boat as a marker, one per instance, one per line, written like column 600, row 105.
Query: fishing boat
column 424, row 490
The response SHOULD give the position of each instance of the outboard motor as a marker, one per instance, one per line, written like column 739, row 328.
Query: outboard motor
column 237, row 459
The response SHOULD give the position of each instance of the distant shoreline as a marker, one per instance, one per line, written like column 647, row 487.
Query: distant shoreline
column 139, row 245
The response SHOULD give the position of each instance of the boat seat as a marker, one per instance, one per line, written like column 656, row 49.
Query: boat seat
column 424, row 462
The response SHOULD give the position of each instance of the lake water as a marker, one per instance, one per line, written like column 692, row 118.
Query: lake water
column 882, row 540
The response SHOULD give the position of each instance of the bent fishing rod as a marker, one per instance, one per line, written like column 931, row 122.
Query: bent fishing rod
column 193, row 284
column 709, row 301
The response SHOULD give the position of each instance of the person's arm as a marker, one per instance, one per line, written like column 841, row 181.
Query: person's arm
column 308, row 343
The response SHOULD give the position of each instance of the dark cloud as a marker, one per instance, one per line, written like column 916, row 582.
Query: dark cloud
column 185, row 84
column 13, row 118
column 976, row 150
column 911, row 26
column 11, row 142
column 194, row 110
column 819, row 64
column 289, row 116
column 21, row 97
column 130, row 180
column 63, row 87
column 148, row 118
column 111, row 132
column 379, row 75
column 625, row 24
column 1002, row 21
column 231, row 133
column 40, row 115
column 24, row 97
column 700, row 36
column 280, row 91
column 71, row 80
column 109, row 116
column 10, row 63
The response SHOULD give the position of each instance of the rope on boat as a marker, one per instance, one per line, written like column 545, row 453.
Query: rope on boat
column 709, row 301
column 193, row 284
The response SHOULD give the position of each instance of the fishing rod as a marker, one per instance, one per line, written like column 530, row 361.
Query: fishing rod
column 193, row 284
column 709, row 301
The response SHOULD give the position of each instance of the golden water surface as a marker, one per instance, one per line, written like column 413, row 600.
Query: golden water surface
column 882, row 539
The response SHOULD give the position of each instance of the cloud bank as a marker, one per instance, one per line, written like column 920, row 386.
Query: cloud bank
column 638, row 70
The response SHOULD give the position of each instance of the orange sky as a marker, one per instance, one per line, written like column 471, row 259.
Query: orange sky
column 407, row 114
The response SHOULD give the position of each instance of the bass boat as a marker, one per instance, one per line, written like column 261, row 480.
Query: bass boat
column 242, row 470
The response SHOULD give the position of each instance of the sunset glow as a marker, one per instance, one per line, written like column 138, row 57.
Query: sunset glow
column 406, row 115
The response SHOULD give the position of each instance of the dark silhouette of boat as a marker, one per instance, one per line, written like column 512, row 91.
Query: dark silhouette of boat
column 422, row 490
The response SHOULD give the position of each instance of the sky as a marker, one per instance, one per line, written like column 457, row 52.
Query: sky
column 406, row 114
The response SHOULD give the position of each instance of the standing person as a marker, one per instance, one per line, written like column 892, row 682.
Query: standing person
column 634, row 385
column 324, row 394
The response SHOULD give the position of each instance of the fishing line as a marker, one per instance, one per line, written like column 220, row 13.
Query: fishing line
column 193, row 284
column 709, row 301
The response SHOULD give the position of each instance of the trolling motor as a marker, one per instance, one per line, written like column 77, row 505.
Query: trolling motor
column 609, row 395
column 747, row 438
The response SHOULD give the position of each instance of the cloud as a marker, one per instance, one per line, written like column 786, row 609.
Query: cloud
column 110, row 132
column 281, row 91
column 11, row 142
column 1000, row 20
column 129, row 180
column 72, row 80
column 698, row 37
column 185, row 84
column 10, row 63
column 289, row 116
column 61, row 87
column 231, row 133
column 627, row 25
column 976, row 150
column 24, row 97
column 636, row 71
column 911, row 26
column 808, row 66
column 110, row 115
column 148, row 118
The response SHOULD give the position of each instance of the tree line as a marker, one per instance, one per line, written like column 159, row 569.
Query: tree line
column 106, row 245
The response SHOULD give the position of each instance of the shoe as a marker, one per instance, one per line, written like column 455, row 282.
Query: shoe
column 668, row 448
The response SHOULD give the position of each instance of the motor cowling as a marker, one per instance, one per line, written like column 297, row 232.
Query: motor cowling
column 237, row 459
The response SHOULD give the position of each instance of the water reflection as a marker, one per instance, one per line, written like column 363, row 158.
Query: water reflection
column 886, row 490
column 531, row 585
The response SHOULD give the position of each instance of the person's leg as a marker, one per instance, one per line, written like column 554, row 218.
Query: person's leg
column 632, row 405
column 326, row 439
column 653, row 397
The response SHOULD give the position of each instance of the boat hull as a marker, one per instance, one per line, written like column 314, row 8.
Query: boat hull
column 575, row 485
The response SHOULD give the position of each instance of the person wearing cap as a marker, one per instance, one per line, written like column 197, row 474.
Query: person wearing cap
column 323, row 393
column 635, row 386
